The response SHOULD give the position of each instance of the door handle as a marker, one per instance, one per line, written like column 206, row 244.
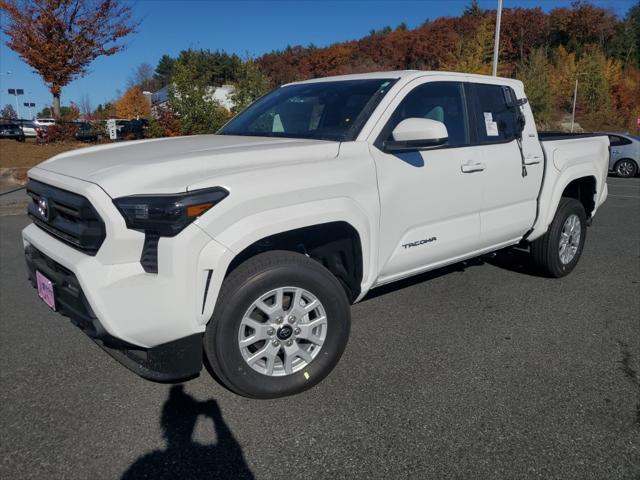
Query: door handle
column 532, row 159
column 472, row 167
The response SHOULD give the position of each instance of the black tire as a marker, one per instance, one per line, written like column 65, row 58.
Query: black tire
column 545, row 250
column 626, row 168
column 247, row 283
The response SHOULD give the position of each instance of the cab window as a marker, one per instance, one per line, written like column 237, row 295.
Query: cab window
column 493, row 120
column 441, row 101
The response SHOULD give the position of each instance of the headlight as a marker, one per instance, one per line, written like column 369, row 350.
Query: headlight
column 167, row 215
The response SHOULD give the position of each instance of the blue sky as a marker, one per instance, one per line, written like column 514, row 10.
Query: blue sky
column 242, row 27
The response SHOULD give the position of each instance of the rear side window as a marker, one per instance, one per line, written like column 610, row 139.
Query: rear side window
column 615, row 141
column 492, row 120
column 441, row 101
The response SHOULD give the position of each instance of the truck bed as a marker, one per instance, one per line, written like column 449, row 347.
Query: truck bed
column 549, row 136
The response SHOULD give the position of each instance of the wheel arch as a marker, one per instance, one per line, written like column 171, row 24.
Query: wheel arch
column 339, row 219
column 584, row 190
column 336, row 245
column 580, row 182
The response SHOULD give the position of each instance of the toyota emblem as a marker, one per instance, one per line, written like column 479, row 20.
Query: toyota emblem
column 43, row 208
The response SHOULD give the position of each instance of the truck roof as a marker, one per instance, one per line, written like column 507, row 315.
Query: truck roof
column 409, row 74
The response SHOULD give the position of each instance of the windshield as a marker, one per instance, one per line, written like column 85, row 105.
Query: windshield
column 322, row 111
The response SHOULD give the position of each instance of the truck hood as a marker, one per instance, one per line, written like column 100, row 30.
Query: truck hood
column 171, row 165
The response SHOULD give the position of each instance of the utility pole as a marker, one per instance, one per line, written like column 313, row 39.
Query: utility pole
column 573, row 113
column 496, row 43
column 575, row 96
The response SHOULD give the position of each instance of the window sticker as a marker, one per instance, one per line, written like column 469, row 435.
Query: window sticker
column 490, row 125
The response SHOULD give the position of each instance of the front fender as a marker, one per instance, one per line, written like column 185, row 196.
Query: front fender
column 219, row 254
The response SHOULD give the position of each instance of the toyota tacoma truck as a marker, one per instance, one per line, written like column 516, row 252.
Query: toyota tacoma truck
column 248, row 247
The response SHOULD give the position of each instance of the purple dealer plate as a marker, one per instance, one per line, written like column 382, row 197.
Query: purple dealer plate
column 45, row 290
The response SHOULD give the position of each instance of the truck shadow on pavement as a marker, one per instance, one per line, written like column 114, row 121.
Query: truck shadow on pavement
column 184, row 458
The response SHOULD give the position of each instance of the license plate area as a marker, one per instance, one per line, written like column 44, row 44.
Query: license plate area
column 45, row 290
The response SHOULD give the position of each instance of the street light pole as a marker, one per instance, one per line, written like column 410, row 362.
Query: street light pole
column 575, row 96
column 496, row 43
column 573, row 113
column 16, row 92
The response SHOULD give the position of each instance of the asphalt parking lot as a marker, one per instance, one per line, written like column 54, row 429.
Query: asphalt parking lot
column 481, row 370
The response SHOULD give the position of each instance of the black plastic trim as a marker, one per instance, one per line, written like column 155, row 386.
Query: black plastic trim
column 394, row 146
column 70, row 217
column 176, row 360
column 206, row 289
column 173, row 361
column 149, row 255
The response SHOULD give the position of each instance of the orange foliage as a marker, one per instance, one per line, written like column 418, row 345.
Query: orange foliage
column 133, row 104
column 59, row 39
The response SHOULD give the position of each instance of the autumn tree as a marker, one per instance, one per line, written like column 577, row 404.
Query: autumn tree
column 164, row 123
column 8, row 112
column 474, row 52
column 106, row 111
column 562, row 78
column 60, row 38
column 133, row 104
column 594, row 83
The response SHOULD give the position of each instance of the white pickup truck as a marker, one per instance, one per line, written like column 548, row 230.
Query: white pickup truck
column 250, row 245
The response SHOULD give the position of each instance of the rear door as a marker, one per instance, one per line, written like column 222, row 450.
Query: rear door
column 429, row 199
column 514, row 166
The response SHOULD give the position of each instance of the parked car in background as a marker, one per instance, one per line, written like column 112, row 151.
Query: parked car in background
column 86, row 132
column 624, row 159
column 131, row 129
column 12, row 131
column 28, row 128
column 45, row 121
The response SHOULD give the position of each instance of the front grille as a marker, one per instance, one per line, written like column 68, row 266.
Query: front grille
column 67, row 216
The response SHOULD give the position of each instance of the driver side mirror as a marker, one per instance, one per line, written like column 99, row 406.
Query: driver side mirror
column 416, row 134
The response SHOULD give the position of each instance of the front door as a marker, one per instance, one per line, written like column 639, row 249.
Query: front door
column 430, row 199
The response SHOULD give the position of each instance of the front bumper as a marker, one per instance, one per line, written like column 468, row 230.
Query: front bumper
column 151, row 322
column 175, row 360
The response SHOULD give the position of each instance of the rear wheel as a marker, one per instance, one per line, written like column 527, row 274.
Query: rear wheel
column 280, row 326
column 626, row 168
column 557, row 252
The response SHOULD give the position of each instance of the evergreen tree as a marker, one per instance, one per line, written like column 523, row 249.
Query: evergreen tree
column 473, row 9
column 164, row 70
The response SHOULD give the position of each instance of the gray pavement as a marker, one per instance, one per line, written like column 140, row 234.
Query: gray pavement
column 13, row 200
column 481, row 370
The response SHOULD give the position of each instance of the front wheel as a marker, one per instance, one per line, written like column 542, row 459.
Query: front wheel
column 557, row 252
column 280, row 326
column 626, row 168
